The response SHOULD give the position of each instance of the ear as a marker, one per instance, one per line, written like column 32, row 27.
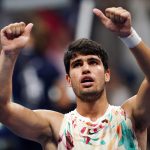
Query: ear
column 107, row 75
column 68, row 79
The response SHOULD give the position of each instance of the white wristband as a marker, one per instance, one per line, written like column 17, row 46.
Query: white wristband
column 132, row 40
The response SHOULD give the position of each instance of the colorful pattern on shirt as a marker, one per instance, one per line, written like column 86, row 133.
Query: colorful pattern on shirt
column 112, row 131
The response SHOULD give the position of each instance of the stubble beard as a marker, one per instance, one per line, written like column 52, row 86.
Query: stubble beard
column 91, row 96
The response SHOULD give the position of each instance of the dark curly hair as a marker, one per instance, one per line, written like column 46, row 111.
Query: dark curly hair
column 84, row 47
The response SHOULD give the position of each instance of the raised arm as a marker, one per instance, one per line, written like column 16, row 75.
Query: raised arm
column 33, row 125
column 118, row 20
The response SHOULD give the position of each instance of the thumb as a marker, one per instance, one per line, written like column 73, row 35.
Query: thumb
column 100, row 15
column 28, row 29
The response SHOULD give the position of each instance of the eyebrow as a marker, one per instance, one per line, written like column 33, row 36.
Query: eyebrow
column 96, row 59
column 76, row 61
column 88, row 59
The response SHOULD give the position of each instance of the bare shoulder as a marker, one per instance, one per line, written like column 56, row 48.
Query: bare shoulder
column 128, row 106
column 134, row 113
column 54, row 118
column 139, row 129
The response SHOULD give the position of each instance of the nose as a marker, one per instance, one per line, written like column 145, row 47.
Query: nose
column 85, row 69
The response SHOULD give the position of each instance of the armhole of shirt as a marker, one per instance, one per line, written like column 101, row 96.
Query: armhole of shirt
column 63, row 124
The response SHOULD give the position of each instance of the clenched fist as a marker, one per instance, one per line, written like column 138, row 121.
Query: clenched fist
column 15, row 36
column 116, row 19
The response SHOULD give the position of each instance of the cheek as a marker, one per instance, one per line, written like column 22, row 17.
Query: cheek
column 74, row 79
column 100, row 76
column 75, row 85
column 100, row 71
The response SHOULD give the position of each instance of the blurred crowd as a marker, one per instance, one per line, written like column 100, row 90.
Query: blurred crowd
column 39, row 74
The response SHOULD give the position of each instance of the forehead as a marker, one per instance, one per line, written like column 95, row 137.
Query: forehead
column 84, row 57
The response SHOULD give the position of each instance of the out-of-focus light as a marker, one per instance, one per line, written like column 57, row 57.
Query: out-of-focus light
column 85, row 19
column 13, row 5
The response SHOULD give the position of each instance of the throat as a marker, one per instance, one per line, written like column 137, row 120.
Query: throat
column 93, row 111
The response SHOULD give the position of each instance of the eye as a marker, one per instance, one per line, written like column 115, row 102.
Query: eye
column 93, row 62
column 76, row 65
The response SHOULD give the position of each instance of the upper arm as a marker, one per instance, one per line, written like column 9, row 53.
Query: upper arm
column 140, row 105
column 33, row 125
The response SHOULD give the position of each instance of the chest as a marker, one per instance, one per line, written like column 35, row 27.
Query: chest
column 107, row 133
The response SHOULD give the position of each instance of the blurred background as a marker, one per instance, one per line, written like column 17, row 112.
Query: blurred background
column 39, row 77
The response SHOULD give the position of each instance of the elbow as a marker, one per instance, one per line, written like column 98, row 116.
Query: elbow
column 147, row 81
column 3, row 101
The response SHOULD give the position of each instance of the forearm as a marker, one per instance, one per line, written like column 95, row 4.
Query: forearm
column 140, row 50
column 142, row 55
column 7, row 62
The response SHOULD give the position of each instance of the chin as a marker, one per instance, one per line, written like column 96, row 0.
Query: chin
column 89, row 96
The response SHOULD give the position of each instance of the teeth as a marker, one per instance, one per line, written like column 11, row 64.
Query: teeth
column 87, row 80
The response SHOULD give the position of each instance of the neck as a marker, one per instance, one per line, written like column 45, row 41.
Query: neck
column 95, row 109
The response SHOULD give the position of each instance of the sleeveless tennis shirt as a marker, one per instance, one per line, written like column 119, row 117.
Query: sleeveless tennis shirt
column 112, row 131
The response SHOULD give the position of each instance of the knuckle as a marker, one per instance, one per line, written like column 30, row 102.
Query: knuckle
column 120, row 8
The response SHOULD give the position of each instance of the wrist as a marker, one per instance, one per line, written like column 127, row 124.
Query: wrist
column 8, row 52
column 9, row 55
column 132, row 40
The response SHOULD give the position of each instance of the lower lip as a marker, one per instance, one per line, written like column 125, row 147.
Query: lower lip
column 87, row 84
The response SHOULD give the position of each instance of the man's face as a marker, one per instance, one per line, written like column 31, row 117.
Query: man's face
column 87, row 77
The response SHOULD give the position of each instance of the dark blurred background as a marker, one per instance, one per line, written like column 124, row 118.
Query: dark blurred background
column 39, row 76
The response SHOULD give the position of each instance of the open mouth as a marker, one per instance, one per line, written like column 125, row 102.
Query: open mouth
column 87, row 81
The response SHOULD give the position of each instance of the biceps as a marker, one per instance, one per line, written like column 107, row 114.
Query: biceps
column 24, row 122
column 142, row 102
